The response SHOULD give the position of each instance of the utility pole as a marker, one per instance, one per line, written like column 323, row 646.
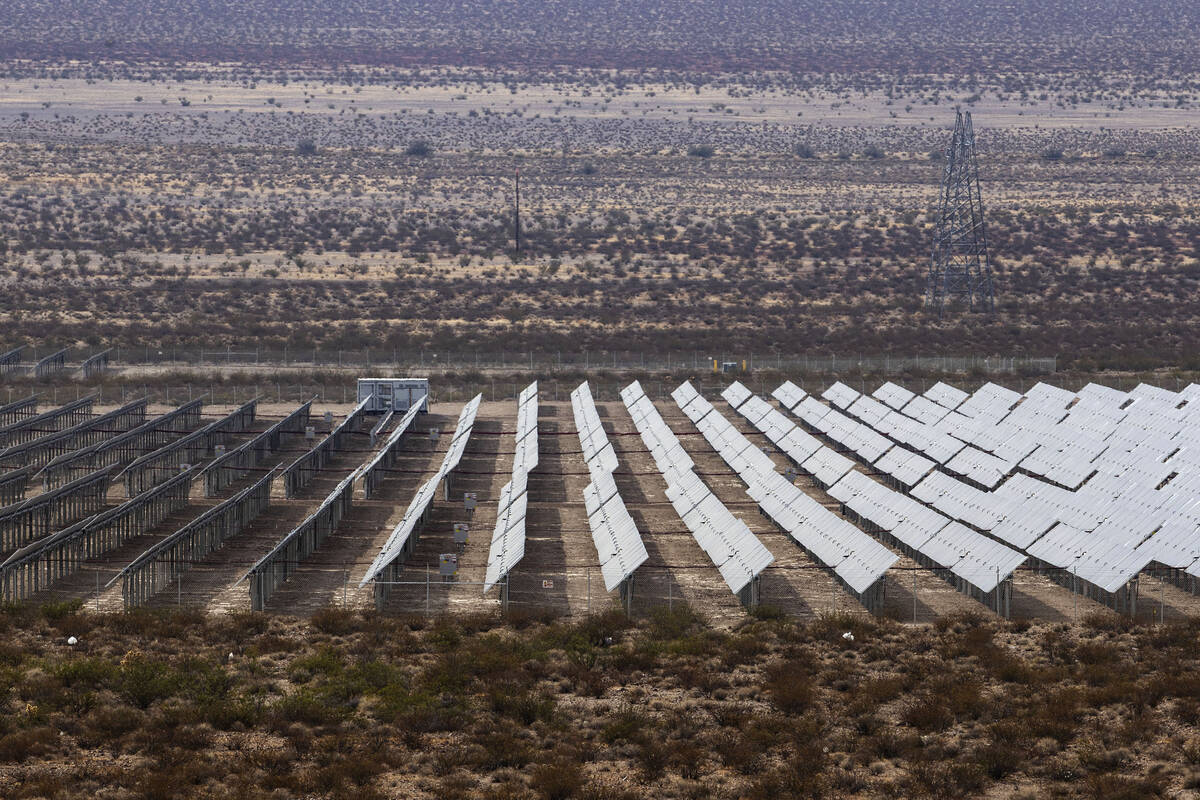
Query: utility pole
column 960, row 266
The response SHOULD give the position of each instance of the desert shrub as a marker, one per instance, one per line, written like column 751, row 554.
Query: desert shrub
column 790, row 686
column 1121, row 787
column 62, row 610
column 307, row 707
column 499, row 748
column 142, row 680
column 336, row 621
column 557, row 780
column 944, row 779
column 87, row 672
column 521, row 705
column 419, row 149
column 628, row 724
column 830, row 625
column 668, row 624
column 701, row 151
column 998, row 759
column 27, row 743
column 105, row 724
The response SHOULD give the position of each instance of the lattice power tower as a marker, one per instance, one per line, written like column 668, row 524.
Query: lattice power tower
column 960, row 267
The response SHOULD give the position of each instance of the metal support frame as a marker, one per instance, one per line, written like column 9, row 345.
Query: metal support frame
column 123, row 448
column 41, row 451
column 39, row 516
column 19, row 410
column 50, row 365
column 13, row 485
column 53, row 421
column 285, row 557
column 385, row 459
column 38, row 565
column 96, row 365
column 10, row 362
column 302, row 471
column 235, row 464
column 960, row 267
column 165, row 562
column 159, row 465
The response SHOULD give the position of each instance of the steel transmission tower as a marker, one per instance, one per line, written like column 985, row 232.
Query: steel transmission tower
column 960, row 267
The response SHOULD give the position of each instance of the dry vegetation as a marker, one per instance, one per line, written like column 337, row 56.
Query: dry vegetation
column 178, row 705
column 755, row 177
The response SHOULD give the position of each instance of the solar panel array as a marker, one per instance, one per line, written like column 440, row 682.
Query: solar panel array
column 148, row 437
column 33, row 427
column 39, row 564
column 301, row 471
column 40, row 451
column 14, row 484
column 10, row 361
column 857, row 559
column 236, row 463
column 619, row 546
column 274, row 568
column 31, row 519
column 508, row 538
column 737, row 553
column 373, row 474
column 166, row 560
column 1100, row 482
column 971, row 556
column 18, row 410
column 398, row 542
column 160, row 464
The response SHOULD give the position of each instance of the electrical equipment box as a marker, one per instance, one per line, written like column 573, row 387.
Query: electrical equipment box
column 394, row 394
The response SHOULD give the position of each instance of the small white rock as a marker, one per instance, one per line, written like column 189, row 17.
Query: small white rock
column 72, row 641
column 848, row 636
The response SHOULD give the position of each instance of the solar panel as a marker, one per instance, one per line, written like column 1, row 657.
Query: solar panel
column 508, row 537
column 735, row 394
column 619, row 545
column 840, row 395
column 789, row 395
column 856, row 558
column 893, row 395
column 945, row 395
column 393, row 548
column 736, row 552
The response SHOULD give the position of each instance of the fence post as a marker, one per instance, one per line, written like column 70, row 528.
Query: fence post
column 589, row 591
column 914, row 572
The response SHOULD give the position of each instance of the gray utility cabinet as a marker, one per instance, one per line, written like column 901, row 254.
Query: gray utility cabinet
column 393, row 394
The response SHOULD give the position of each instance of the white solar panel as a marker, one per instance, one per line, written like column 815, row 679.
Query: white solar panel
column 424, row 496
column 508, row 538
column 736, row 552
column 856, row 558
column 735, row 394
column 789, row 395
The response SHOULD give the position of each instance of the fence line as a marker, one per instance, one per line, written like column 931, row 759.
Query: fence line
column 430, row 359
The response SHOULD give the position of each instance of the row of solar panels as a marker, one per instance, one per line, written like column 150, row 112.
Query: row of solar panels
column 969, row 555
column 508, row 538
column 619, row 545
column 737, row 553
column 853, row 556
column 1136, row 498
column 1128, row 523
column 421, row 501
